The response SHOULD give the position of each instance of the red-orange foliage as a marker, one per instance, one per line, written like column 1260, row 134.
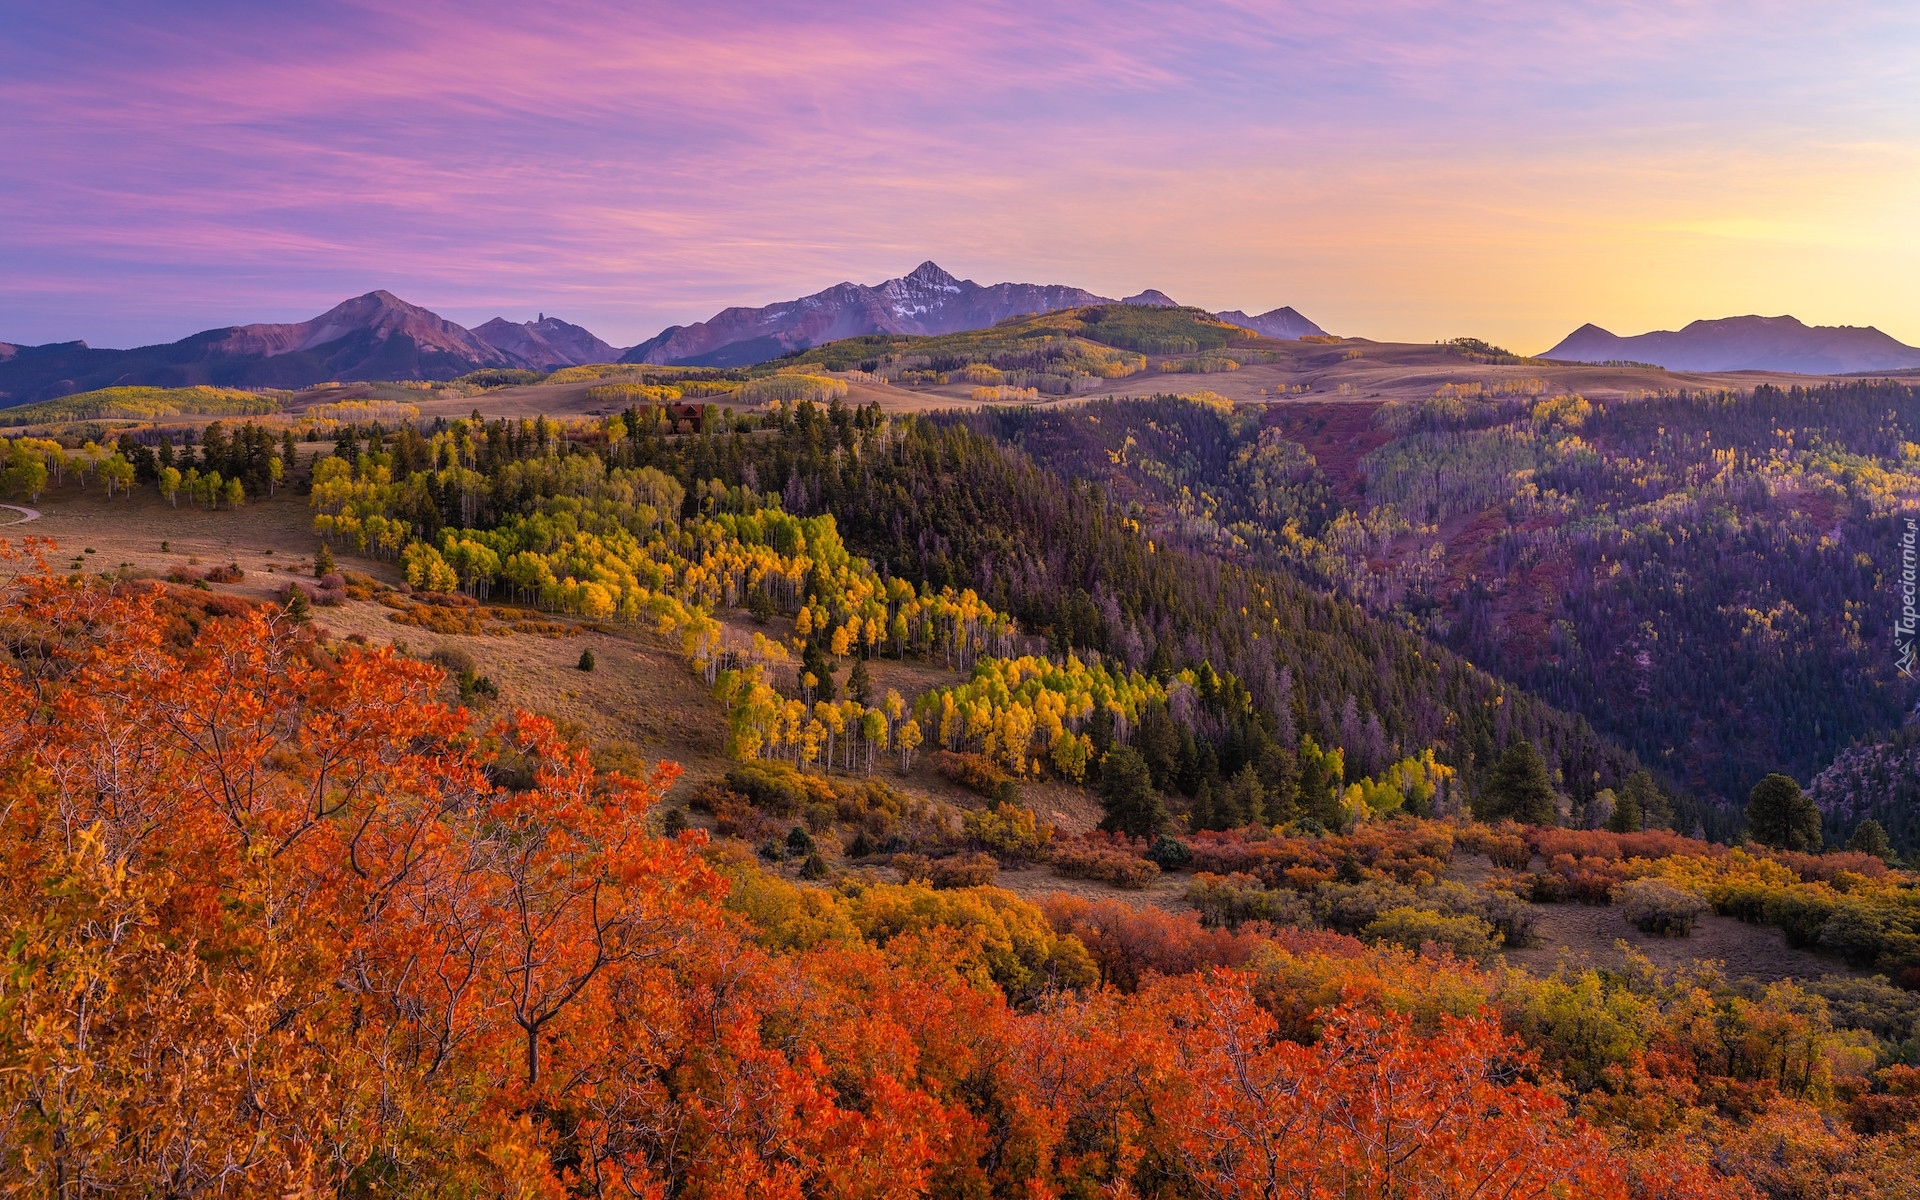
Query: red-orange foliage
column 1129, row 944
column 1369, row 1110
column 275, row 922
column 1412, row 852
column 1109, row 858
column 1549, row 843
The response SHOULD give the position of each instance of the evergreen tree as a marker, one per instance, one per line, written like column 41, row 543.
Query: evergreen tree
column 1203, row 815
column 1280, row 771
column 859, row 685
column 1517, row 788
column 1132, row 805
column 1321, row 774
column 1780, row 815
column 1654, row 809
column 813, row 660
column 1870, row 838
column 323, row 561
column 1625, row 817
column 1249, row 797
column 1159, row 742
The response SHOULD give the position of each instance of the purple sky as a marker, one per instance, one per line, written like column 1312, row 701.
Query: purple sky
column 1397, row 170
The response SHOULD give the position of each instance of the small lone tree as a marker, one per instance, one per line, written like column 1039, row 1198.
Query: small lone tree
column 1870, row 837
column 323, row 561
column 1517, row 787
column 909, row 739
column 859, row 685
column 586, row 660
column 1780, row 815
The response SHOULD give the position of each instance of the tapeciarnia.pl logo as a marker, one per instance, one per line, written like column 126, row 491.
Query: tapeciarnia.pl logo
column 1909, row 620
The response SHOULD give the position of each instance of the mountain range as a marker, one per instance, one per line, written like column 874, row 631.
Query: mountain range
column 380, row 336
column 1745, row 344
column 925, row 301
column 375, row 336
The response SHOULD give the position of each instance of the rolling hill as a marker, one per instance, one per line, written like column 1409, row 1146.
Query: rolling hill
column 1745, row 344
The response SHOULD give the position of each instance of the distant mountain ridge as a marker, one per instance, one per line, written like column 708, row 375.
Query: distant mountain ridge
column 1749, row 343
column 375, row 336
column 1279, row 323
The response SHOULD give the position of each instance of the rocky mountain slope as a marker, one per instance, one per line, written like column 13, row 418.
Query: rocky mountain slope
column 926, row 301
column 546, row 344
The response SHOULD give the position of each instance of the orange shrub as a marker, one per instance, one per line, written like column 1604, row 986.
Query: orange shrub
column 1129, row 944
column 1112, row 860
column 1411, row 852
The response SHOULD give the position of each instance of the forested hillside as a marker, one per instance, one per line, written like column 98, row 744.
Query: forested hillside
column 1705, row 577
column 943, row 511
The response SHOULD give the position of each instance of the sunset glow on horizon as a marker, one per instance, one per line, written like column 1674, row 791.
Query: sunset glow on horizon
column 1404, row 171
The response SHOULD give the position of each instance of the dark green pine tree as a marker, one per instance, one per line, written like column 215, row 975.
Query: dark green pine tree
column 1780, row 815
column 1517, row 788
column 1203, row 816
column 1626, row 816
column 1870, row 838
column 1132, row 805
column 1249, row 796
column 1655, row 810
column 859, row 685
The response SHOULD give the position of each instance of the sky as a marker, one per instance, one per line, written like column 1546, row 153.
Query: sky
column 1394, row 169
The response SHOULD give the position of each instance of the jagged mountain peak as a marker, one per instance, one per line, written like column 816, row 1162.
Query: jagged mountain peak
column 926, row 300
column 931, row 274
column 546, row 343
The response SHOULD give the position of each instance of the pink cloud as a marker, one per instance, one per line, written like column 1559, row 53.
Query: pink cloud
column 637, row 166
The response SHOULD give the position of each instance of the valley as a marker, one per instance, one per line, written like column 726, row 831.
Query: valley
column 916, row 675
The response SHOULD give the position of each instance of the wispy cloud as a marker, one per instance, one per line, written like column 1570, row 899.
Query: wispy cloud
column 1395, row 168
